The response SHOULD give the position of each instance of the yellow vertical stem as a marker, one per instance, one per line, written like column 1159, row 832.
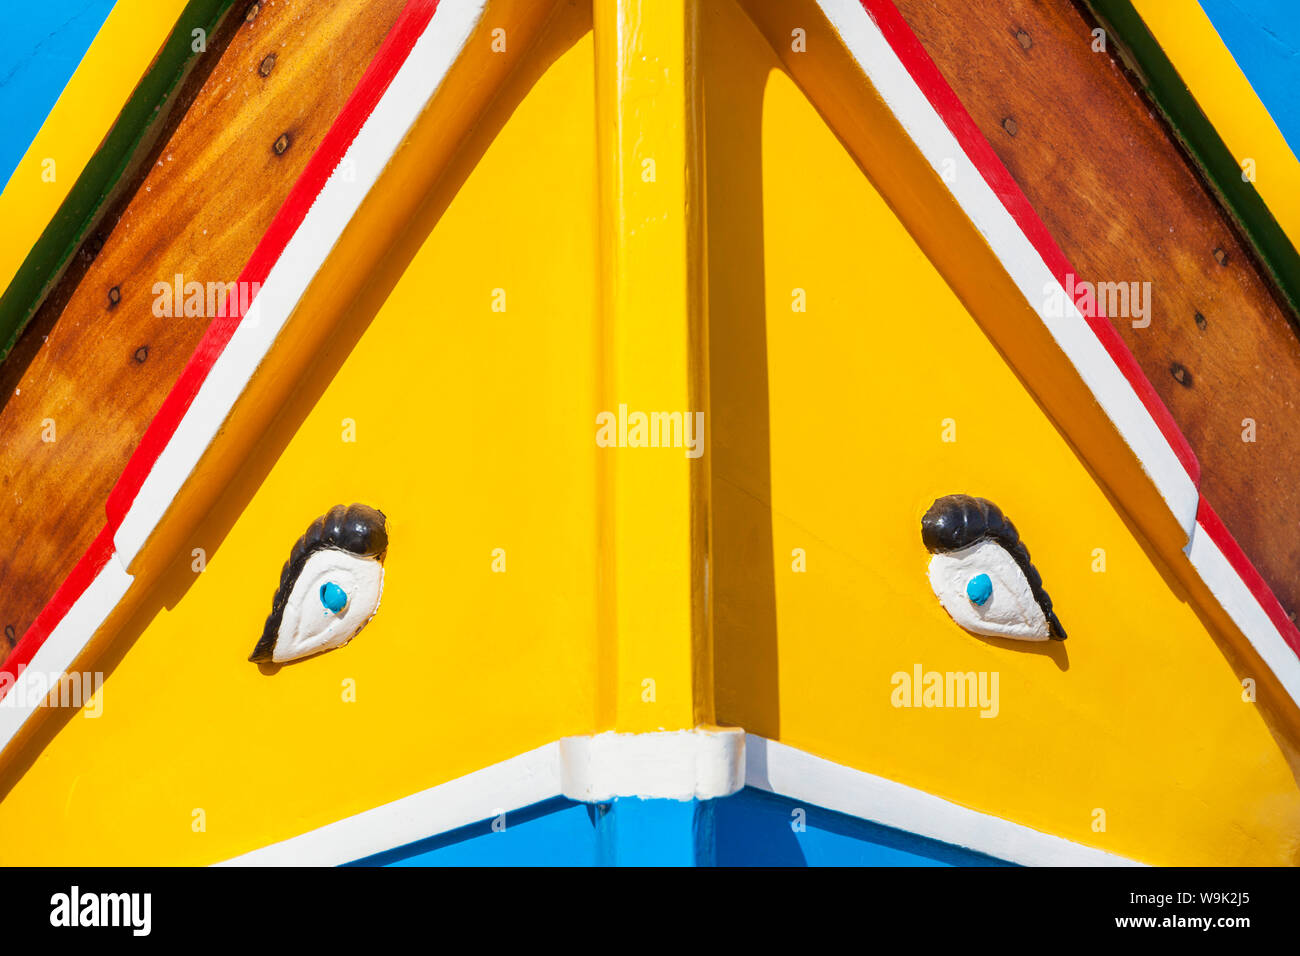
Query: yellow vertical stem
column 655, row 655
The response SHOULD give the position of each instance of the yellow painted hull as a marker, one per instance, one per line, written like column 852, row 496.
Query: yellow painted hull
column 531, row 593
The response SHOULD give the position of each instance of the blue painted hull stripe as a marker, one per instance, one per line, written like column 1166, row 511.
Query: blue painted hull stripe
column 750, row 828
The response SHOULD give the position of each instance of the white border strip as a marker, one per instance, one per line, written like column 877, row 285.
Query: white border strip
column 673, row 765
column 798, row 775
column 382, row 132
column 501, row 788
column 1113, row 392
column 683, row 765
column 1241, row 605
column 416, row 82
column 62, row 647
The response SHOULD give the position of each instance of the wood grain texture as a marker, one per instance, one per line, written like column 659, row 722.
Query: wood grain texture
column 1159, row 79
column 96, row 363
column 160, row 96
column 1125, row 205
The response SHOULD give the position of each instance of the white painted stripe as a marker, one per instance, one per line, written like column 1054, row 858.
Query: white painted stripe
column 501, row 788
column 798, row 775
column 1240, row 604
column 62, row 647
column 674, row 765
column 680, row 765
column 1113, row 392
column 683, row 765
column 416, row 82
column 864, row 41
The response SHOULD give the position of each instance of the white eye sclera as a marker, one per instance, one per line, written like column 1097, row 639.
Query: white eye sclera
column 985, row 591
column 334, row 596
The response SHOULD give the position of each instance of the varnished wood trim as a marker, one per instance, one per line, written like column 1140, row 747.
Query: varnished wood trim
column 1119, row 197
column 164, row 92
column 1152, row 69
column 99, row 359
column 392, row 95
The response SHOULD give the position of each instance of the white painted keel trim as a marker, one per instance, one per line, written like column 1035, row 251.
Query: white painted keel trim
column 798, row 775
column 501, row 788
column 683, row 765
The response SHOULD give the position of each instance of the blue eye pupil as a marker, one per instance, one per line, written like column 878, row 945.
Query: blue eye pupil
column 979, row 589
column 333, row 597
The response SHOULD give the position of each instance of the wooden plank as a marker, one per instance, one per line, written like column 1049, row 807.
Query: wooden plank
column 96, row 362
column 1149, row 64
column 153, row 106
column 1125, row 206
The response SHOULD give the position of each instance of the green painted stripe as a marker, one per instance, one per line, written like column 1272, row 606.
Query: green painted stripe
column 143, row 112
column 1145, row 58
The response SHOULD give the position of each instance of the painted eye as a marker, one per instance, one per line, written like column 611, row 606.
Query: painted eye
column 329, row 588
column 333, row 597
column 979, row 589
column 981, row 573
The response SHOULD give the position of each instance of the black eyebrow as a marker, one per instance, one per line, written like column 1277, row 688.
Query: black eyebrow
column 959, row 521
column 357, row 529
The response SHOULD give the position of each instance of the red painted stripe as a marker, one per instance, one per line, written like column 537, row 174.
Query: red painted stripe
column 1250, row 576
column 945, row 102
column 73, row 586
column 944, row 99
column 397, row 45
column 410, row 25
